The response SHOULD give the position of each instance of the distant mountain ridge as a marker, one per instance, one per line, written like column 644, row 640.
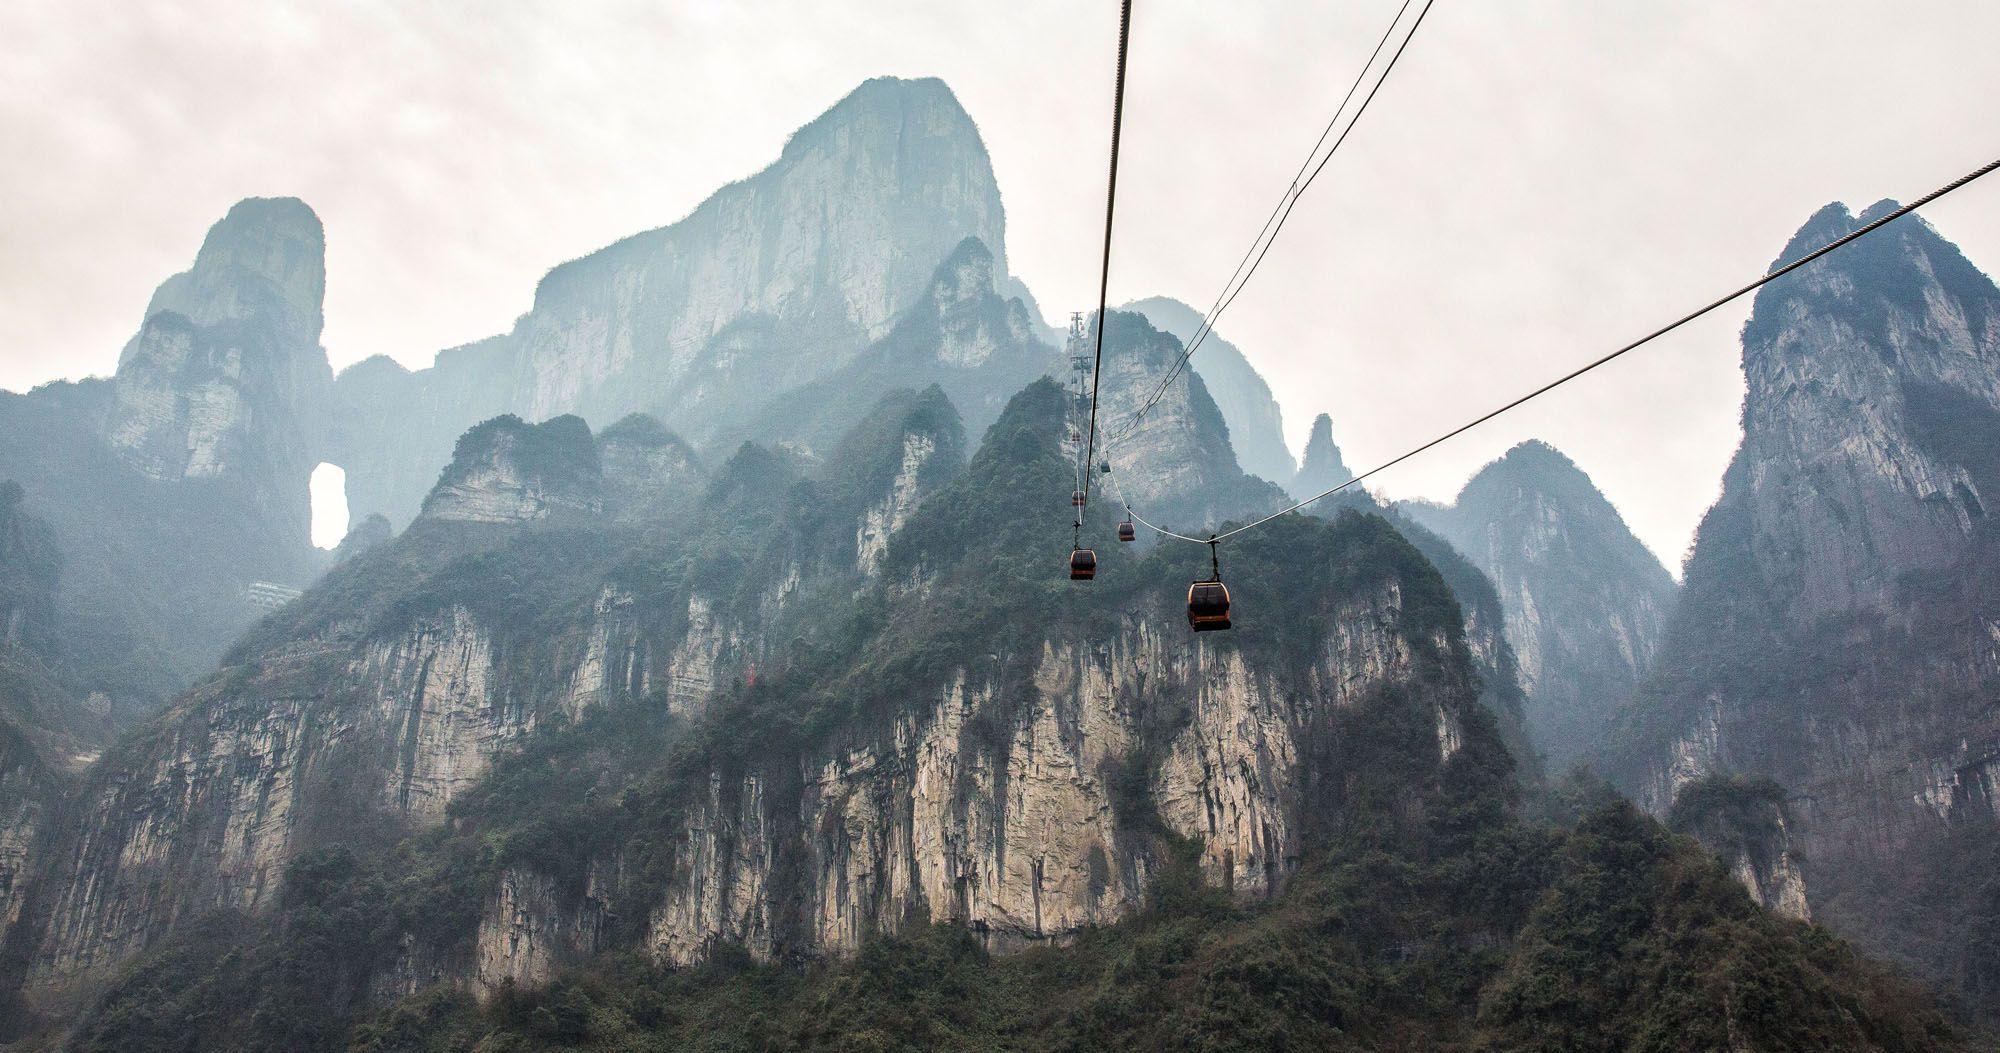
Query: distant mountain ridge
column 765, row 715
column 771, row 283
column 1256, row 425
column 1585, row 600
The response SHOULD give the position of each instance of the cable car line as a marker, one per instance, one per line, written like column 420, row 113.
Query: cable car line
column 1104, row 273
column 1214, row 309
column 1773, row 275
column 1286, row 203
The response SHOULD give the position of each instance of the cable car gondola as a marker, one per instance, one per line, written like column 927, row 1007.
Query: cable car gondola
column 1208, row 601
column 1082, row 564
column 1125, row 531
column 1076, row 498
column 1208, row 606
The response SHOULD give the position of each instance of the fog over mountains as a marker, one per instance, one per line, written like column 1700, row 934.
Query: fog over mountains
column 701, row 671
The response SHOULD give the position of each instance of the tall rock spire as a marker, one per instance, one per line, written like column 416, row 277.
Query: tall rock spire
column 772, row 283
column 1321, row 468
column 226, row 378
column 1835, row 629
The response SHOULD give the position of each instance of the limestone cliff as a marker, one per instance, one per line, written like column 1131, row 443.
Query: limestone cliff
column 517, row 603
column 508, row 471
column 962, row 335
column 829, row 740
column 1256, row 426
column 1836, row 631
column 773, row 282
column 1585, row 601
column 1176, row 464
column 1744, row 824
column 175, row 484
column 226, row 379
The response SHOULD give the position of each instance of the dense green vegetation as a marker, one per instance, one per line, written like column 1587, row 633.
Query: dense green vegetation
column 1426, row 913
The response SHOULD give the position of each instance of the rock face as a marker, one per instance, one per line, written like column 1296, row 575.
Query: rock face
column 649, row 472
column 773, row 282
column 1839, row 630
column 1744, row 824
column 1256, row 427
column 1176, row 464
column 226, row 379
column 955, row 760
column 174, row 485
column 508, row 471
column 961, row 335
column 1585, row 601
column 47, row 735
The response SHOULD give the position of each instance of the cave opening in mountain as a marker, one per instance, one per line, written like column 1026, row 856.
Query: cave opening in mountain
column 328, row 493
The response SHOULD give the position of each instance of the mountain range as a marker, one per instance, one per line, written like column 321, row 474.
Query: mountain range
column 702, row 672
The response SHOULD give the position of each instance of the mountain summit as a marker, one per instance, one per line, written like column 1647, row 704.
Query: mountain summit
column 770, row 284
column 1834, row 633
column 1585, row 600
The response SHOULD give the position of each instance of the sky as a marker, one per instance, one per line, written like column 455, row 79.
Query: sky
column 1540, row 180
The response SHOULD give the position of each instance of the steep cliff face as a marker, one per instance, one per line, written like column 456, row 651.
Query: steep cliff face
column 962, row 335
column 1743, row 823
column 649, row 472
column 1837, row 628
column 1256, row 427
column 1177, row 464
column 1585, row 602
column 518, row 602
column 47, row 734
column 177, row 483
column 226, row 379
column 1011, row 766
column 508, row 471
column 1322, row 468
column 773, row 282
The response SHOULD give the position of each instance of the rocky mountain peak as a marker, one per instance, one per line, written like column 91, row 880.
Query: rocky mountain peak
column 1256, row 427
column 773, row 281
column 1178, row 460
column 509, row 471
column 1322, row 467
column 1536, row 467
column 1845, row 361
column 265, row 261
column 1585, row 601
column 226, row 379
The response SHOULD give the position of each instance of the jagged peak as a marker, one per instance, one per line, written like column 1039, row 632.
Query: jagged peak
column 1831, row 221
column 1321, row 465
column 877, row 95
column 925, row 105
column 1885, row 273
column 1537, row 466
column 274, row 246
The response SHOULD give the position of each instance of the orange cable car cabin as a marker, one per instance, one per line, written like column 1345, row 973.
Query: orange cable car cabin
column 1208, row 606
column 1082, row 564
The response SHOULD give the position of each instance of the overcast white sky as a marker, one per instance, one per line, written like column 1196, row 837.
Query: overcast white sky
column 1540, row 181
